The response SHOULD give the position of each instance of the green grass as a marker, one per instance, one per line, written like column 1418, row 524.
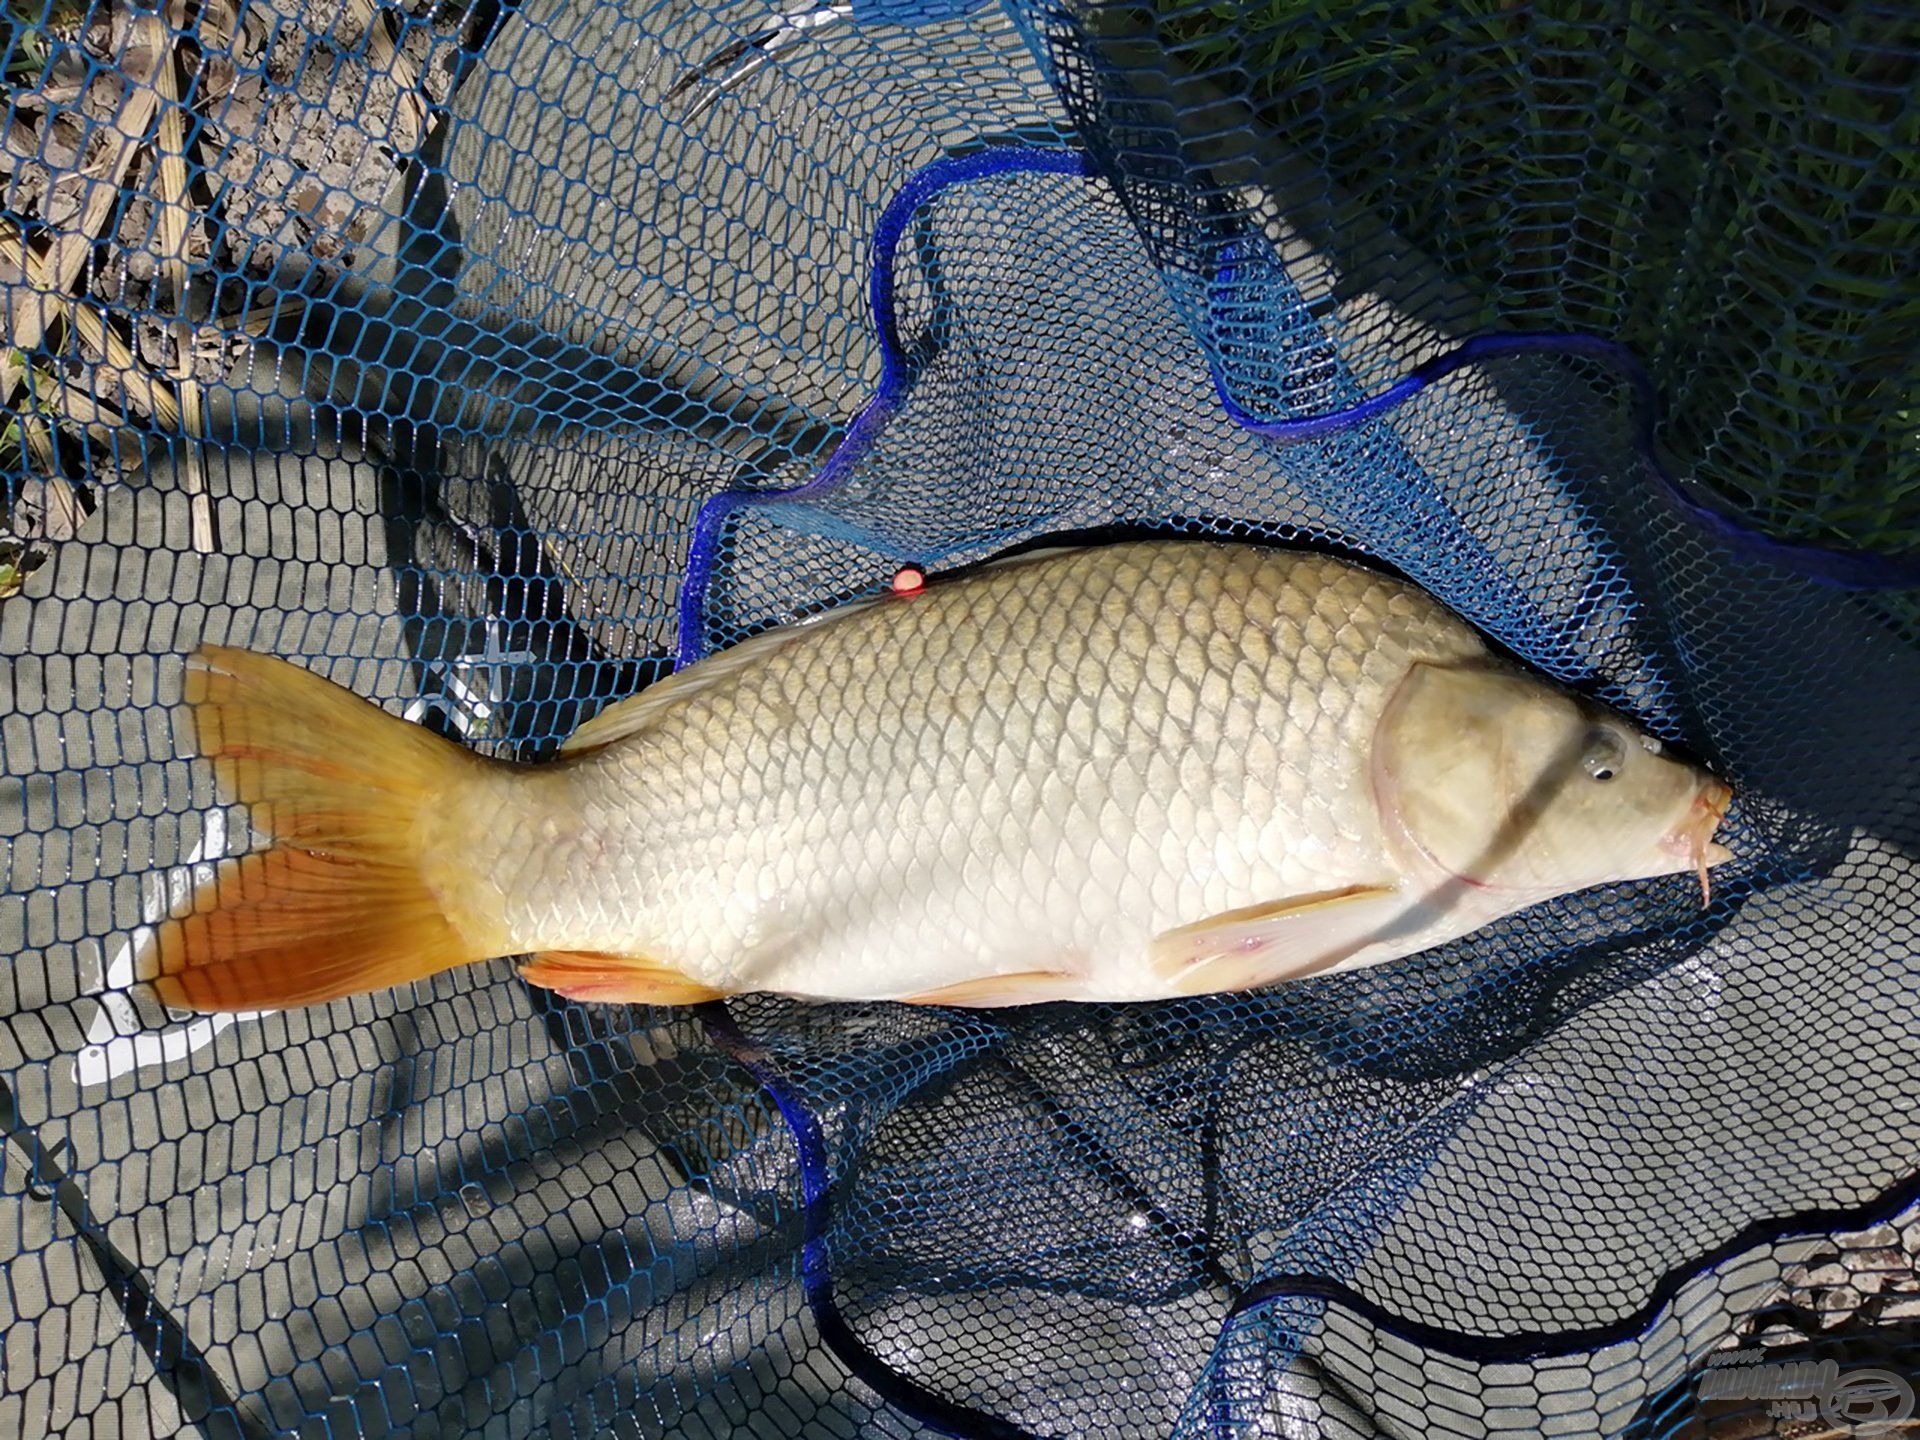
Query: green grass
column 26, row 52
column 1731, row 190
column 27, row 37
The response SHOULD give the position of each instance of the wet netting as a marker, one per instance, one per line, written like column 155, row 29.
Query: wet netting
column 496, row 360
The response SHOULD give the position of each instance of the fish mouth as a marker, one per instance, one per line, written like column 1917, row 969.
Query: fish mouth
column 1693, row 836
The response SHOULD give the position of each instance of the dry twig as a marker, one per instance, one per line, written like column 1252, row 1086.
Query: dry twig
column 175, row 221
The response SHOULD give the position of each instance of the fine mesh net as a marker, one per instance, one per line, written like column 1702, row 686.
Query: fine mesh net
column 494, row 362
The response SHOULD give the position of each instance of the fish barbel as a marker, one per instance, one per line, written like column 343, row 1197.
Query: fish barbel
column 1145, row 770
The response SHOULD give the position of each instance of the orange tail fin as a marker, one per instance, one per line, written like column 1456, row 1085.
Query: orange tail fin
column 341, row 903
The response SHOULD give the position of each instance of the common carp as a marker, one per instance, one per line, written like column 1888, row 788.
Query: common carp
column 1124, row 773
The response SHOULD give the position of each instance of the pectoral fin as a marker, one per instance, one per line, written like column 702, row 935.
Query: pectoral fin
column 1025, row 987
column 614, row 979
column 1262, row 944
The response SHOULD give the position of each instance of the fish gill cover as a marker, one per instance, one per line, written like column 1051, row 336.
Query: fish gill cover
column 496, row 361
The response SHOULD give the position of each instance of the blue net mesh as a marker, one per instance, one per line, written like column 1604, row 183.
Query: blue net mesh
column 496, row 362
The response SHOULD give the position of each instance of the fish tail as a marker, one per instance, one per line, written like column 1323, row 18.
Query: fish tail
column 343, row 902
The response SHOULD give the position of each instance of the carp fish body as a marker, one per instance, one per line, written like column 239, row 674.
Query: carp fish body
column 1125, row 773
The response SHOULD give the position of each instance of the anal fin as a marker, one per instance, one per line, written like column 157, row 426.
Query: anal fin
column 1262, row 944
column 614, row 979
column 1025, row 987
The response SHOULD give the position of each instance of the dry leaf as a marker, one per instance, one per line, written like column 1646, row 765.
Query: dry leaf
column 77, row 406
column 48, row 508
column 38, row 435
column 218, row 21
column 53, row 271
column 142, row 391
column 217, row 75
column 17, row 562
column 22, row 142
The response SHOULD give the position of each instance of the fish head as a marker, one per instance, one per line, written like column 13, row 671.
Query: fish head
column 1510, row 784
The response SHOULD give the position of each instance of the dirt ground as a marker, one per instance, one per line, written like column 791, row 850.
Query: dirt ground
column 167, row 180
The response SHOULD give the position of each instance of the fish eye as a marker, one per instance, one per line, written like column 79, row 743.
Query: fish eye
column 1603, row 755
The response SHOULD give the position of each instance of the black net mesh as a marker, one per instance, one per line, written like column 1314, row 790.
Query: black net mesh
column 493, row 362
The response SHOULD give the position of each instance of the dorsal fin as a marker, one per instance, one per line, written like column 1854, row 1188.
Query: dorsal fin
column 636, row 712
column 1013, row 562
column 632, row 715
